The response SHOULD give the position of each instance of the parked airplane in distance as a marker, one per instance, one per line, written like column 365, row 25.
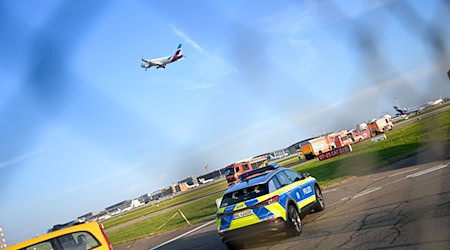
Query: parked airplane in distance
column 408, row 111
column 163, row 61
column 435, row 103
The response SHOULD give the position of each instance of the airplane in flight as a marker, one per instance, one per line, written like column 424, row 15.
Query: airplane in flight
column 163, row 61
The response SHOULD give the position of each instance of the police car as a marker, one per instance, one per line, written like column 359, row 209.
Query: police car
column 266, row 201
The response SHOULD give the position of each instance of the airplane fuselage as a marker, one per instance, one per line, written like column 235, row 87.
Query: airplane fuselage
column 163, row 61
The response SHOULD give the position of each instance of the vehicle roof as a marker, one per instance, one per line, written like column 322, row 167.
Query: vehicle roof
column 89, row 226
column 61, row 226
column 262, row 178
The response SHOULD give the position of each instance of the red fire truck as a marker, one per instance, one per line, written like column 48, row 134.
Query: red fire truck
column 233, row 171
column 340, row 138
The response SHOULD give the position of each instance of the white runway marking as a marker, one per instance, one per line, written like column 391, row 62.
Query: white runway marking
column 181, row 236
column 368, row 191
column 426, row 171
column 331, row 190
column 404, row 172
column 343, row 199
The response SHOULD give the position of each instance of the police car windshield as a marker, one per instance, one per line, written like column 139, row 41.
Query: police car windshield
column 244, row 194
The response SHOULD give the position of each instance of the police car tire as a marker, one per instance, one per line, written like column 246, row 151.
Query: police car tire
column 294, row 229
column 320, row 203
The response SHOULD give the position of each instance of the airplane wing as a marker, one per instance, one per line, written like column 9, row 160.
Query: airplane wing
column 153, row 63
column 158, row 64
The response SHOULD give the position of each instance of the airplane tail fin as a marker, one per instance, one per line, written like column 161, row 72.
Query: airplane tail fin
column 178, row 53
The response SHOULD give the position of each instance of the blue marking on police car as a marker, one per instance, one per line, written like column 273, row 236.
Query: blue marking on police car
column 225, row 222
column 229, row 209
column 283, row 200
column 307, row 190
column 251, row 202
column 262, row 213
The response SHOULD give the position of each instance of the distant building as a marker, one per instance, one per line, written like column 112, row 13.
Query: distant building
column 102, row 216
column 118, row 207
column 215, row 175
column 166, row 192
column 145, row 198
column 179, row 187
column 156, row 195
column 190, row 181
column 89, row 216
column 176, row 188
column 295, row 148
column 135, row 203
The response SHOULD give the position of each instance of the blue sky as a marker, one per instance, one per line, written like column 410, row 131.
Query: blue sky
column 84, row 127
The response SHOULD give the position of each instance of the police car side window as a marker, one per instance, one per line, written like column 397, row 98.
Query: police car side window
column 272, row 186
column 276, row 182
column 293, row 176
column 283, row 179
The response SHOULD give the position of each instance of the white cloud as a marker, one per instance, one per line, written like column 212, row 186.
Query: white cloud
column 291, row 21
column 297, row 119
column 295, row 22
column 21, row 158
column 199, row 86
column 292, row 25
column 213, row 64
column 186, row 38
column 337, row 13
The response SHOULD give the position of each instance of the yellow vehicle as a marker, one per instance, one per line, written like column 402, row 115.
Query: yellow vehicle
column 317, row 146
column 82, row 236
column 266, row 201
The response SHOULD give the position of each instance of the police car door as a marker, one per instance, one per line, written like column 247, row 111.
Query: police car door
column 303, row 191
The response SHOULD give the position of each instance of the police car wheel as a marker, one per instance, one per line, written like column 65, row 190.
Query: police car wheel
column 294, row 221
column 320, row 203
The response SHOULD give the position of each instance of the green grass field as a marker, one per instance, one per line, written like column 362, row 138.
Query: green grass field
column 366, row 156
column 289, row 160
column 199, row 211
column 179, row 199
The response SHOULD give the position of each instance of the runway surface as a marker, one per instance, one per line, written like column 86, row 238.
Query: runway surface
column 406, row 207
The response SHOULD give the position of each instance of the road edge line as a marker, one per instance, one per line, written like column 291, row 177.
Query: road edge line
column 181, row 236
